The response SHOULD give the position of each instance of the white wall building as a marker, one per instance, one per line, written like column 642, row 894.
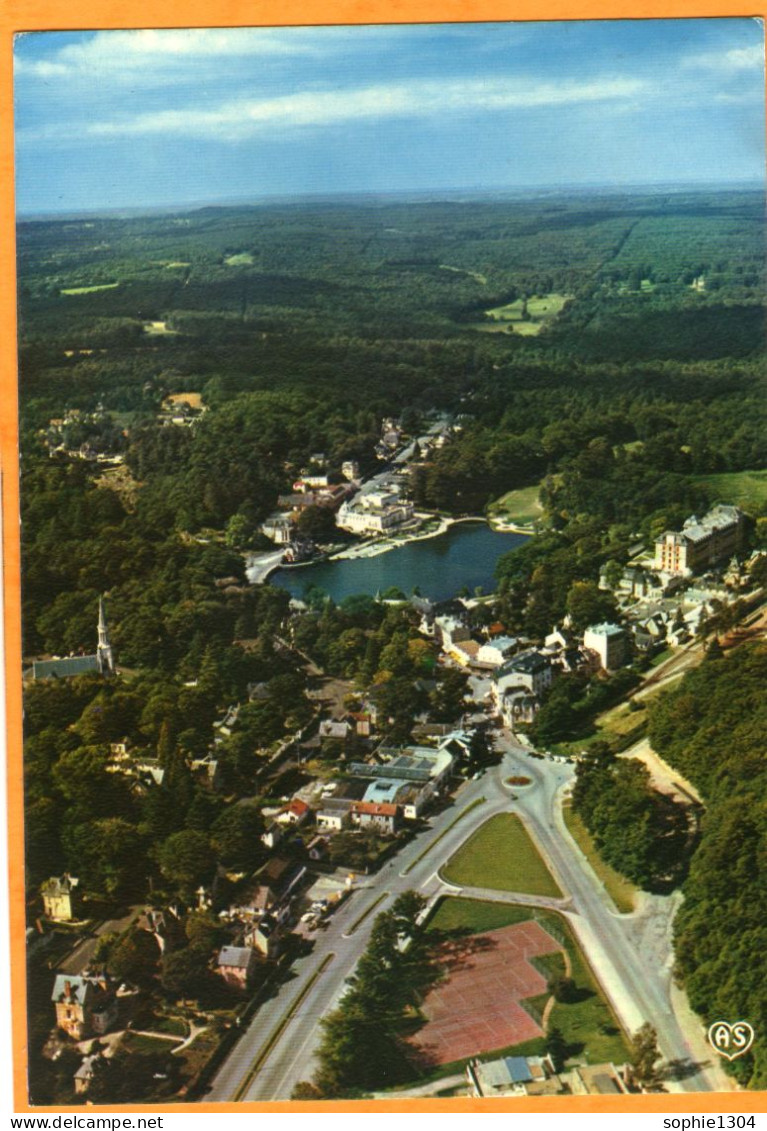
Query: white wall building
column 609, row 642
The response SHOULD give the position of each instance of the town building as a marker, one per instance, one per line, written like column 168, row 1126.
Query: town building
column 514, row 1076
column 61, row 898
column 235, row 964
column 497, row 651
column 701, row 543
column 596, row 1080
column 264, row 936
column 165, row 924
column 277, row 880
column 465, row 652
column 278, row 528
column 531, row 671
column 375, row 814
column 334, row 815
column 449, row 629
column 518, row 706
column 610, row 643
column 85, row 1005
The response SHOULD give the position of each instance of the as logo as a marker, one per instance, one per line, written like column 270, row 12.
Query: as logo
column 731, row 1040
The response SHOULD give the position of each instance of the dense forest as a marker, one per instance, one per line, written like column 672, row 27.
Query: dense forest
column 712, row 730
column 607, row 347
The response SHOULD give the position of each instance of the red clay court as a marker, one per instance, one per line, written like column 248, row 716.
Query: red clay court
column 478, row 1008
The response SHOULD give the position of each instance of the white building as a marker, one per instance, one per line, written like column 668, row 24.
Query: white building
column 497, row 651
column 376, row 512
column 279, row 528
column 531, row 671
column 609, row 642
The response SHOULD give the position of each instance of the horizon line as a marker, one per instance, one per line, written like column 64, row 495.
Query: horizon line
column 129, row 211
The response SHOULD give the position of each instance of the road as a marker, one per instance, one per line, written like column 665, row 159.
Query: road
column 77, row 960
column 631, row 953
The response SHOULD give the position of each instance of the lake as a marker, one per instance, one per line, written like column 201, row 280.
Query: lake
column 463, row 556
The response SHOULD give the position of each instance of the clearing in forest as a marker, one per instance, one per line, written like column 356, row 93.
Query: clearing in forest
column 521, row 506
column 241, row 259
column 525, row 316
column 89, row 290
column 747, row 489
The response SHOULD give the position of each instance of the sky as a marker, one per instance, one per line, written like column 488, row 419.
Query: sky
column 119, row 119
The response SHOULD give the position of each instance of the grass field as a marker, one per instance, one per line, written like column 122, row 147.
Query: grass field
column 540, row 310
column 501, row 855
column 138, row 1042
column 621, row 892
column 89, row 290
column 587, row 1024
column 519, row 506
column 747, row 489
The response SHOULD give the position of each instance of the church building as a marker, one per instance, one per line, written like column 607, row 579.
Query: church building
column 102, row 661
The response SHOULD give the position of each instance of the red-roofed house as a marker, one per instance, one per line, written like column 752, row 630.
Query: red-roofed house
column 379, row 814
column 464, row 651
column 294, row 813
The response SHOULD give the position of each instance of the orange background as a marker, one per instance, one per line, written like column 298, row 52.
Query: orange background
column 35, row 15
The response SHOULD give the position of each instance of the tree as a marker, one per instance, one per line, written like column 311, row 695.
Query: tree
column 109, row 854
column 644, row 1056
column 448, row 700
column 562, row 988
column 588, row 604
column 186, row 972
column 305, row 1090
column 235, row 836
column 186, row 859
column 556, row 1048
column 135, row 958
column 317, row 523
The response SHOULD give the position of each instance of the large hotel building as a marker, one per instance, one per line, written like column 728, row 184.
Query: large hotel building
column 700, row 543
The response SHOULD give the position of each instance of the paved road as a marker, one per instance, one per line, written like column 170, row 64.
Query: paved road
column 77, row 960
column 281, row 1039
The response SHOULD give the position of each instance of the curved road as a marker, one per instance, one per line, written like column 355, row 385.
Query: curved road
column 276, row 1051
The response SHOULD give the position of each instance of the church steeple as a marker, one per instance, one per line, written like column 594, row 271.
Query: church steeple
column 104, row 649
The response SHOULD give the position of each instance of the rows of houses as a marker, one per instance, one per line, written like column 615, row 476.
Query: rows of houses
column 393, row 786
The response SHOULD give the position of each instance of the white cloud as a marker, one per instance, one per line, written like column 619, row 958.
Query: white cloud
column 241, row 118
column 161, row 54
column 735, row 60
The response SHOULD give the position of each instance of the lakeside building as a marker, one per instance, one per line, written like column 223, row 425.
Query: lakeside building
column 278, row 528
column 701, row 542
column 376, row 512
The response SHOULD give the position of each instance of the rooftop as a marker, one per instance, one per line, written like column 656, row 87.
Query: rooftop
column 605, row 629
column 64, row 667
column 238, row 956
